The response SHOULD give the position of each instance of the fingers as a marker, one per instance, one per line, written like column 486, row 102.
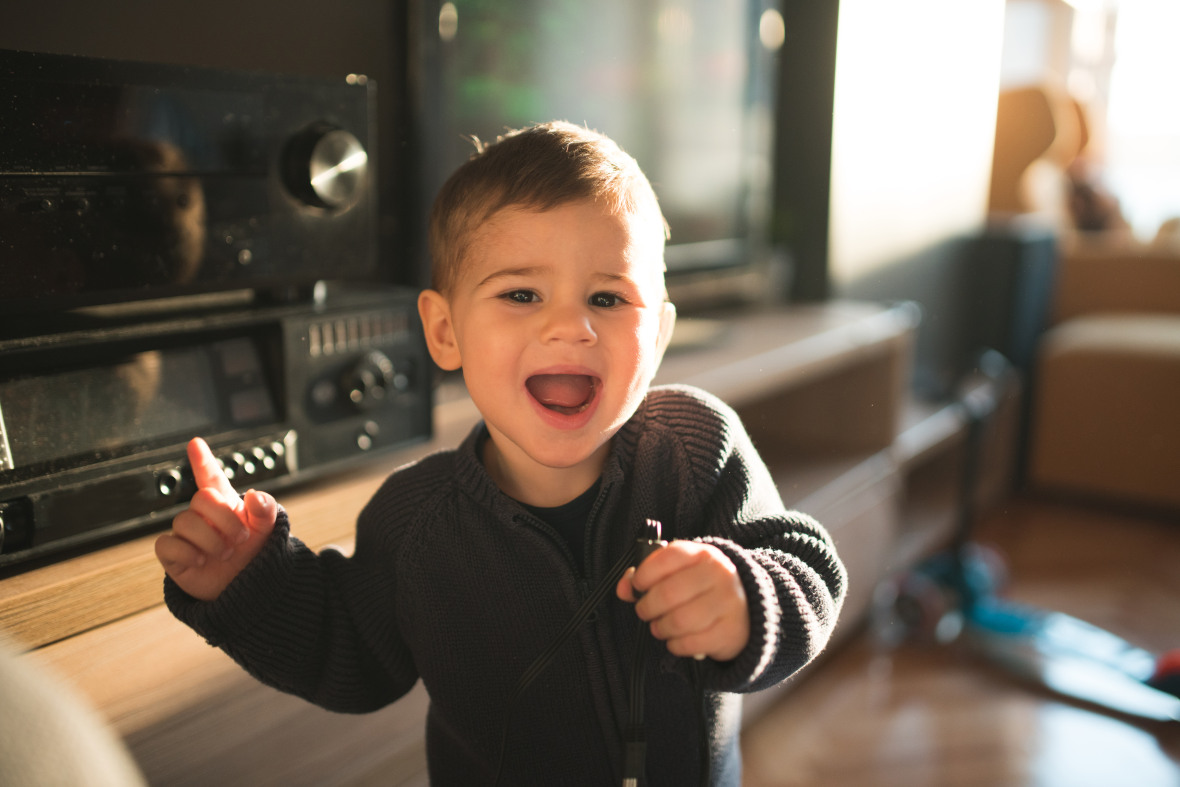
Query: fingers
column 689, row 562
column 694, row 600
column 208, row 473
column 212, row 528
column 178, row 555
column 211, row 525
column 218, row 534
column 720, row 636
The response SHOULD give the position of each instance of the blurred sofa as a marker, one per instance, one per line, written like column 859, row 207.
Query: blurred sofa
column 1105, row 388
column 1105, row 421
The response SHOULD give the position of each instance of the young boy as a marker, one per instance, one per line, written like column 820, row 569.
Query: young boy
column 548, row 293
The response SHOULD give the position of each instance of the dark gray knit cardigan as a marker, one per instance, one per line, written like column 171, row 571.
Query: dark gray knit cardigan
column 455, row 583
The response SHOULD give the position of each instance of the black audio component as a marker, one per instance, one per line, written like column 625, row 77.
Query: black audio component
column 127, row 181
column 94, row 418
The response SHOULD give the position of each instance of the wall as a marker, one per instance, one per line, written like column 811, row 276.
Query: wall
column 916, row 85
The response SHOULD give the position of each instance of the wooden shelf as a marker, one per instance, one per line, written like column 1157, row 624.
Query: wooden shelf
column 766, row 352
column 820, row 388
column 75, row 595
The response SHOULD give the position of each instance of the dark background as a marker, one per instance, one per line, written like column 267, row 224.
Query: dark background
column 374, row 37
column 301, row 37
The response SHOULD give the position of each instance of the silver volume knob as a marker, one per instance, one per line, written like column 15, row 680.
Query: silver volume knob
column 326, row 167
column 338, row 167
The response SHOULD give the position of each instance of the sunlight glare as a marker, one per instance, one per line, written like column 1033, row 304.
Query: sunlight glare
column 1143, row 155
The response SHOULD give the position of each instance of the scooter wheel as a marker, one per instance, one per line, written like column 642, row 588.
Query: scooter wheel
column 1167, row 673
column 987, row 569
column 915, row 607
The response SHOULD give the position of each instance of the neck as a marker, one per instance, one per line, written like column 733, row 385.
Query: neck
column 538, row 485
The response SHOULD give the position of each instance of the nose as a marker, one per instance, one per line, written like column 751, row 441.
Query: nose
column 566, row 323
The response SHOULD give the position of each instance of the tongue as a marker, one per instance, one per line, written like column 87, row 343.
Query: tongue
column 561, row 390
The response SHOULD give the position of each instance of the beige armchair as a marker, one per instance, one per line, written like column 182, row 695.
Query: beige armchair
column 1105, row 391
column 1105, row 420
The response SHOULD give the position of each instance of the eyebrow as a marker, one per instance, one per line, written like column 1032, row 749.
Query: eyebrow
column 507, row 273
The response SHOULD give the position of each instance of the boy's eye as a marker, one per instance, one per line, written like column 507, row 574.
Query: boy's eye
column 520, row 296
column 605, row 300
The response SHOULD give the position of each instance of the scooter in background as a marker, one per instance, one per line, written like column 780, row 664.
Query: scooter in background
column 957, row 595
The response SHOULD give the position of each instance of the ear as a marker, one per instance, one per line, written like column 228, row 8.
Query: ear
column 435, row 311
column 667, row 325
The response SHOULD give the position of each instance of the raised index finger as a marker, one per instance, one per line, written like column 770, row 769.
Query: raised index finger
column 208, row 473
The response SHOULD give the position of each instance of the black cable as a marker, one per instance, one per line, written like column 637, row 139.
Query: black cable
column 706, row 752
column 542, row 661
column 635, row 739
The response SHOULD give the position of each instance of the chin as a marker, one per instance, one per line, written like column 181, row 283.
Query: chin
column 565, row 460
column 559, row 455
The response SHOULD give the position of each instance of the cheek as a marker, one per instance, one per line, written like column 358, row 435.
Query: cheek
column 647, row 334
column 485, row 357
column 643, row 339
column 494, row 354
column 489, row 379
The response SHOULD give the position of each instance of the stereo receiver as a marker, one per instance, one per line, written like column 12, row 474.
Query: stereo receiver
column 94, row 419
column 127, row 181
column 187, row 251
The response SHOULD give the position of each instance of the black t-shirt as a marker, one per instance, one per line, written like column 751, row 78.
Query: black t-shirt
column 569, row 520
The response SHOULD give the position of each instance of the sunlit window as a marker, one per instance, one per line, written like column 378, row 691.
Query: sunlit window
column 1143, row 146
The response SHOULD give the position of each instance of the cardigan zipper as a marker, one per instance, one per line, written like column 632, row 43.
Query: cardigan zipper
column 591, row 566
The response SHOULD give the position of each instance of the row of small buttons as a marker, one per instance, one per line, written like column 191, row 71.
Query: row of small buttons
column 335, row 336
column 254, row 461
column 259, row 462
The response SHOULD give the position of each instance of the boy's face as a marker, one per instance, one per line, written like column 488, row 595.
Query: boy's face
column 558, row 320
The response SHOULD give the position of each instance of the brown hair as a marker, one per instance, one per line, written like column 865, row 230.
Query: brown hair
column 538, row 168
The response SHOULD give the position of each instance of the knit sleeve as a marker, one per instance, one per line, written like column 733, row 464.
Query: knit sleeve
column 319, row 626
column 793, row 579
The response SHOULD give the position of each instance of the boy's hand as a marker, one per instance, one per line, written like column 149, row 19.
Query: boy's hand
column 218, row 534
column 693, row 598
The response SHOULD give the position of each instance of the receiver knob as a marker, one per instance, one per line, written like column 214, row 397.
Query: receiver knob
column 367, row 384
column 326, row 167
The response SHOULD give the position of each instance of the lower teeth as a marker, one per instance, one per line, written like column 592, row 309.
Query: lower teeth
column 566, row 410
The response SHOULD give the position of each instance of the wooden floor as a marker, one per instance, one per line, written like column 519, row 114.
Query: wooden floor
column 935, row 715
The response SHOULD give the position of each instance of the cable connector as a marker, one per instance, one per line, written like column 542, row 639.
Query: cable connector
column 635, row 742
column 648, row 543
column 634, row 757
column 650, row 540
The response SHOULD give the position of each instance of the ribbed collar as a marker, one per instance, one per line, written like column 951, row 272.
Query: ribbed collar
column 473, row 479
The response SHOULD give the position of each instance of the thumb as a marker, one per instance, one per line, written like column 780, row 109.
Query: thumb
column 261, row 511
column 624, row 589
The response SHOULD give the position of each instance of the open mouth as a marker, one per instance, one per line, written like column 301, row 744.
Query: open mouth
column 568, row 394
